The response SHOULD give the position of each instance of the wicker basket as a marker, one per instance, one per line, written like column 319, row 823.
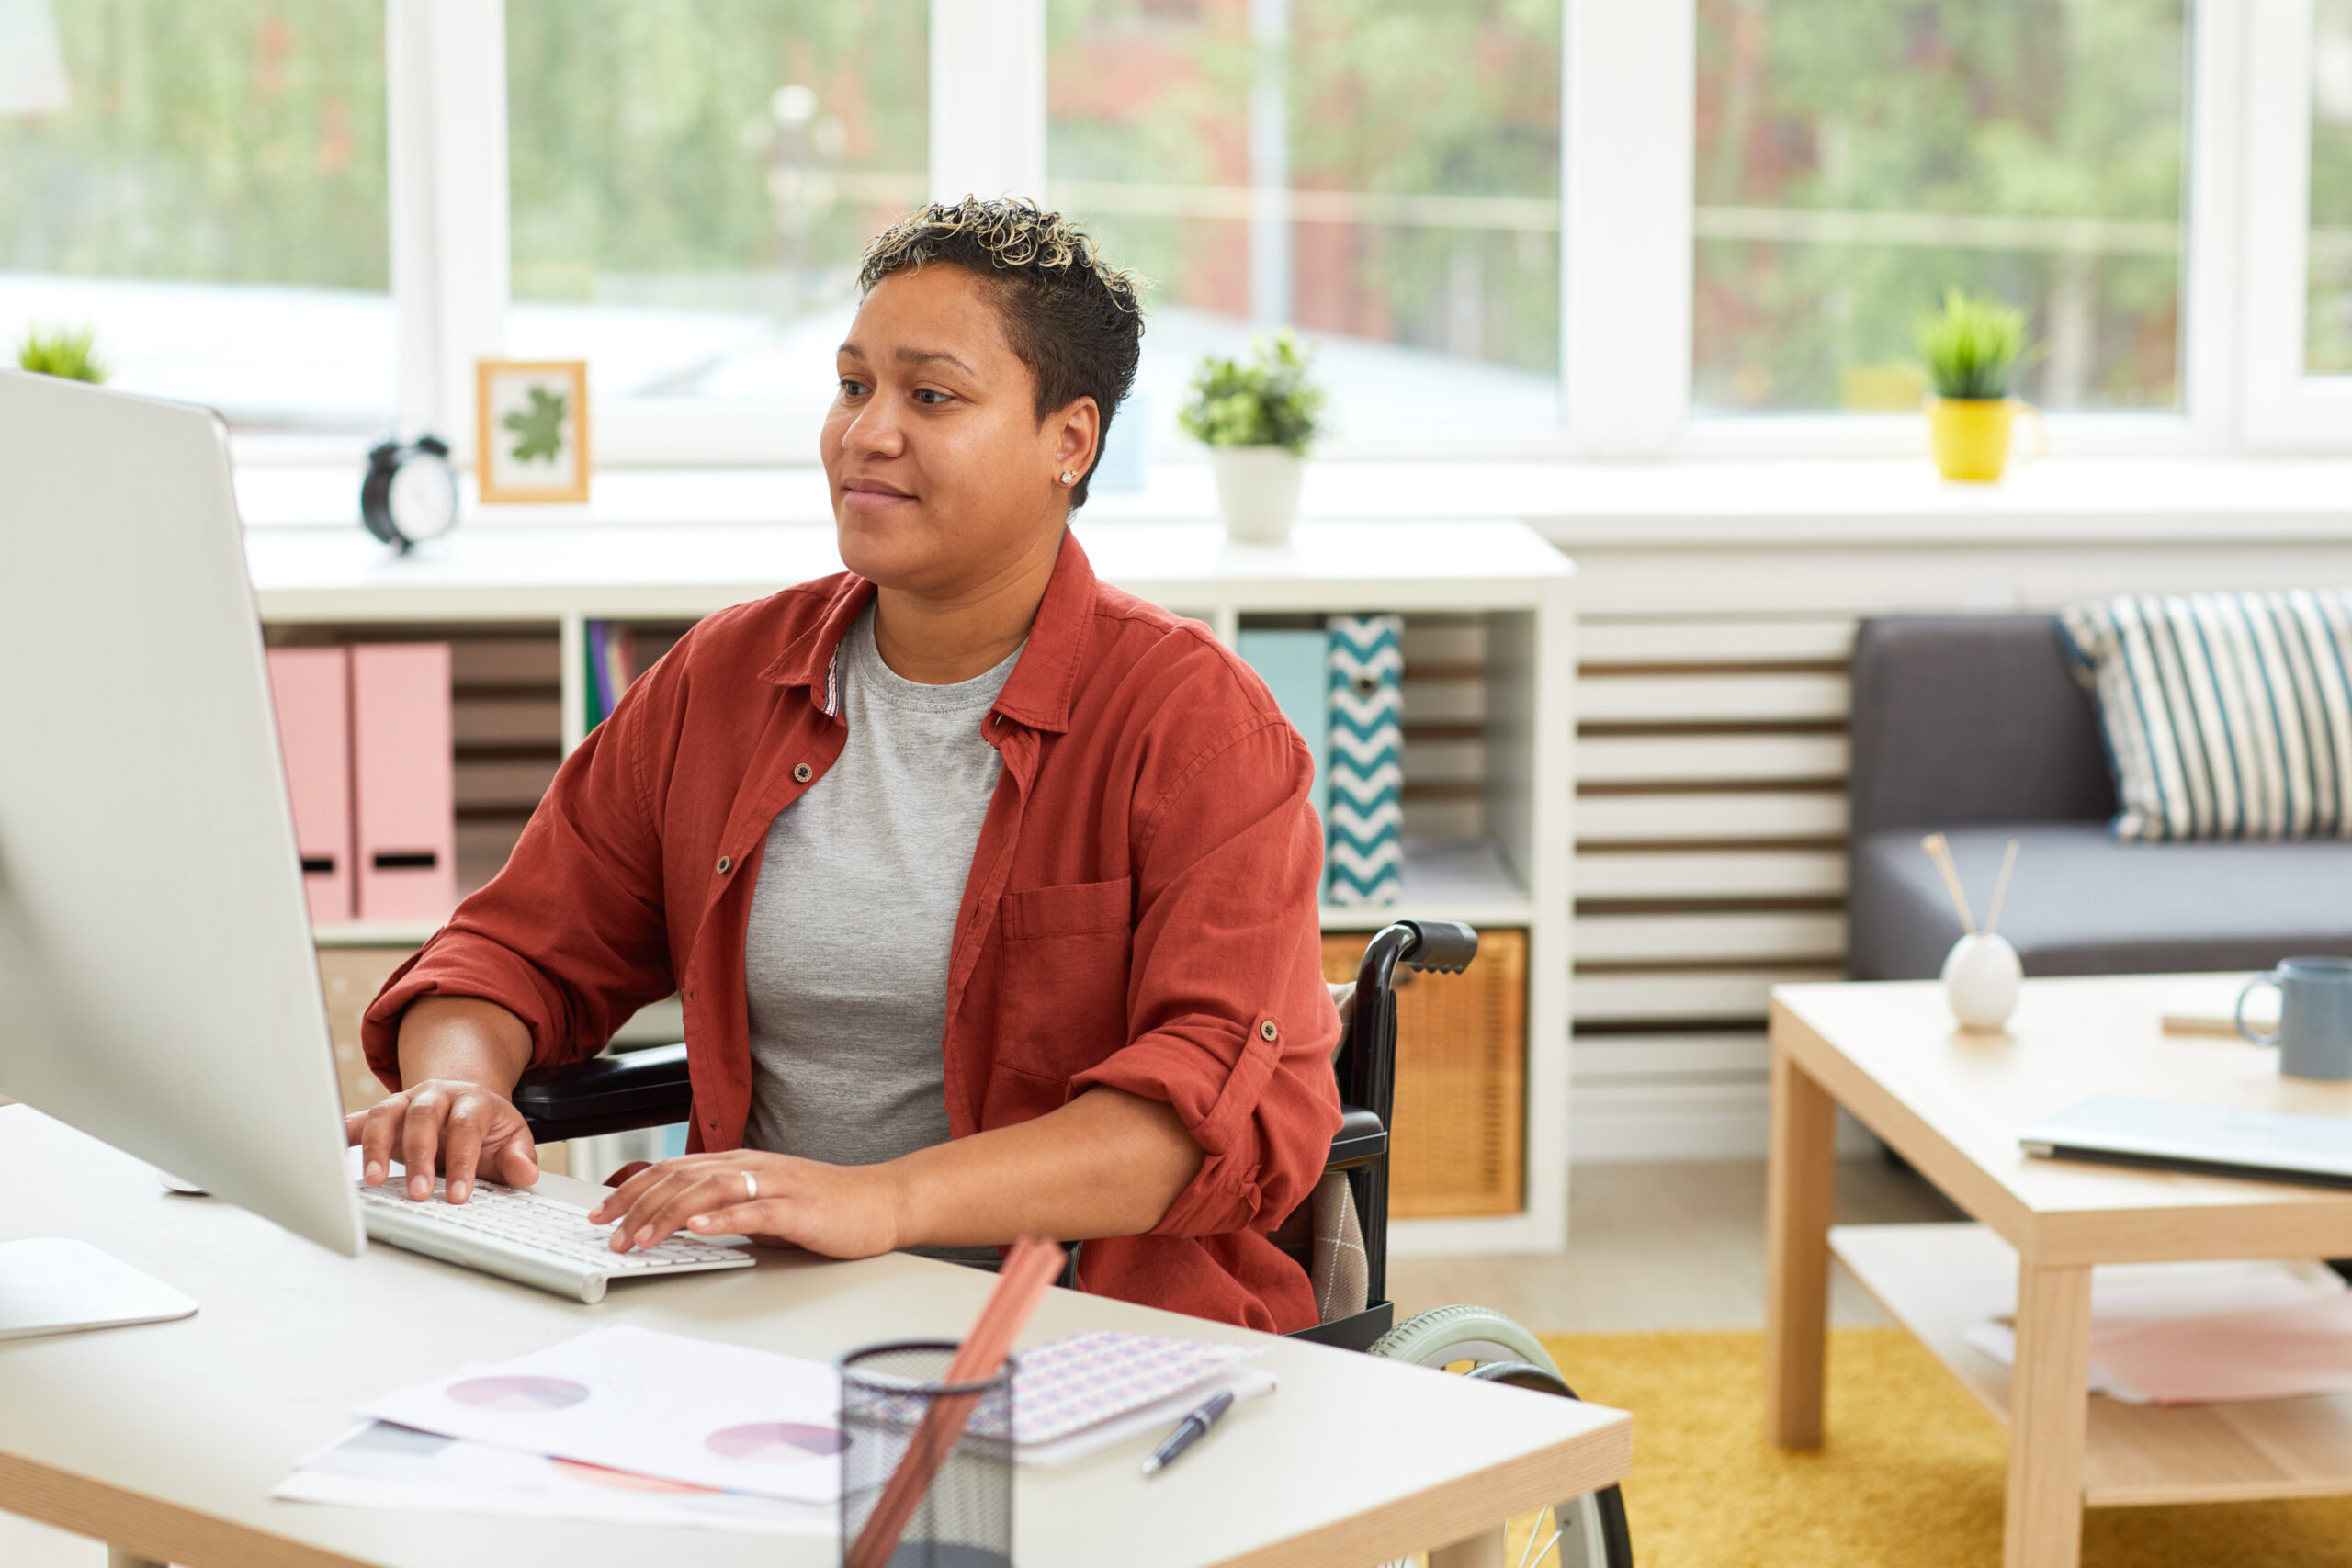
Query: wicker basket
column 1461, row 1054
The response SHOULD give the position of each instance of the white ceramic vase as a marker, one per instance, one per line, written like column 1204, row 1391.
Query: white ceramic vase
column 1257, row 491
column 1981, row 977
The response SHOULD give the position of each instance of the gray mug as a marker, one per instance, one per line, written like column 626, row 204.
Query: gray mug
column 2315, row 1037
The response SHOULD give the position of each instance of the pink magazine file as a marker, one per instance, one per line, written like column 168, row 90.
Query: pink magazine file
column 310, row 688
column 403, row 782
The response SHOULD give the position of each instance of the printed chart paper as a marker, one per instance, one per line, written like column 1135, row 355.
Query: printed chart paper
column 378, row 1465
column 660, row 1404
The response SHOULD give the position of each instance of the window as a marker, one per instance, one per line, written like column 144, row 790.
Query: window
column 1510, row 227
column 692, row 185
column 1385, row 177
column 1855, row 158
column 203, row 187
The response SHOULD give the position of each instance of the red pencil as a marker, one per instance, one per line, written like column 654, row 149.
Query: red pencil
column 1028, row 1270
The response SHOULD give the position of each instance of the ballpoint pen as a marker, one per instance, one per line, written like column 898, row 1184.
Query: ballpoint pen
column 1190, row 1430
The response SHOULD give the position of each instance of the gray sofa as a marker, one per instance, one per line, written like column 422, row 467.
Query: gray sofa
column 1976, row 727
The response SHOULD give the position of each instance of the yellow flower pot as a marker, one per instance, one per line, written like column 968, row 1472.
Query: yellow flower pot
column 1970, row 436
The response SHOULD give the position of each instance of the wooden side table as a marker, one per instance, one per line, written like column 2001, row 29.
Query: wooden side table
column 1951, row 1103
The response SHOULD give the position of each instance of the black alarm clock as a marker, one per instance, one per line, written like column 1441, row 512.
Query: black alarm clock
column 410, row 492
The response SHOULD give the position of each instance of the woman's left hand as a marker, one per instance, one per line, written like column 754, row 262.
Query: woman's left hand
column 841, row 1211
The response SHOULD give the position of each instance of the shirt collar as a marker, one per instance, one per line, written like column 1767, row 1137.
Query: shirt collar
column 1036, row 694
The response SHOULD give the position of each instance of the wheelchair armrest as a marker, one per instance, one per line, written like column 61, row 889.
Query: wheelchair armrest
column 1359, row 1140
column 607, row 1094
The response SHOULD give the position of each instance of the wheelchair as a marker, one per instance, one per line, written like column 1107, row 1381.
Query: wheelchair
column 1339, row 1236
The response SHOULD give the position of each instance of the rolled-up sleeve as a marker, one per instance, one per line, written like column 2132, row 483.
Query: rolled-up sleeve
column 570, row 936
column 1230, row 1020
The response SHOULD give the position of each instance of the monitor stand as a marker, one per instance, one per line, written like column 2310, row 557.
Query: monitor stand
column 51, row 1285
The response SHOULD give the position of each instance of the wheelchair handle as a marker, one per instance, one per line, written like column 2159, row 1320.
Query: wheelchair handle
column 1367, row 1072
column 1368, row 1062
column 1447, row 946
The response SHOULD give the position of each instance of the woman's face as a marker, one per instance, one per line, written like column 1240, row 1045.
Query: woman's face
column 943, row 476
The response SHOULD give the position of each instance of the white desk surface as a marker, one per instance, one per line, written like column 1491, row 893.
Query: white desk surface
column 577, row 566
column 166, row 1439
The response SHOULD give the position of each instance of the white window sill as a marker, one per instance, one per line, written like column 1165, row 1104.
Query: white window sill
column 1589, row 505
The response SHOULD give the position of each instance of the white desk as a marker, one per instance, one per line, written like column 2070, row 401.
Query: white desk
column 166, row 1439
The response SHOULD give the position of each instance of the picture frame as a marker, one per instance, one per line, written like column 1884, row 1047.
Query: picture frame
column 531, row 431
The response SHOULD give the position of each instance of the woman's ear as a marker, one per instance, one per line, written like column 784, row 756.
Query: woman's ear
column 1078, row 433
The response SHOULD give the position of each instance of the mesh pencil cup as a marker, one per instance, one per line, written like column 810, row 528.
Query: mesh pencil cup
column 965, row 1517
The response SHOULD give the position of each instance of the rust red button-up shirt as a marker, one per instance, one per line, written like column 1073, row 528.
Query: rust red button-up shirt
column 1140, row 911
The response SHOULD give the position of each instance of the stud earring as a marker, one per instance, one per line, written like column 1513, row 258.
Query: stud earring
column 1067, row 477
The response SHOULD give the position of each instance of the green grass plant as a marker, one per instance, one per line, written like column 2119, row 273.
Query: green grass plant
column 1971, row 346
column 67, row 351
column 1267, row 401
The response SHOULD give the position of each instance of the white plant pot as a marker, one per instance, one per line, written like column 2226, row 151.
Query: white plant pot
column 1981, row 977
column 1257, row 491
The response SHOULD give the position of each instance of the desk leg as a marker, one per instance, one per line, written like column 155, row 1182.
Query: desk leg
column 118, row 1558
column 1801, row 1189
column 1479, row 1551
column 2049, row 1415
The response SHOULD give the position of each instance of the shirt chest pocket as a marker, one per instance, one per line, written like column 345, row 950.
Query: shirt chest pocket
column 1067, row 951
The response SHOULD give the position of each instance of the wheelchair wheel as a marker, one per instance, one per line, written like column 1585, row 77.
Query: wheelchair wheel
column 1479, row 1342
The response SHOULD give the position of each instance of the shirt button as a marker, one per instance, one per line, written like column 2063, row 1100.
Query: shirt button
column 802, row 772
column 726, row 865
column 1267, row 1030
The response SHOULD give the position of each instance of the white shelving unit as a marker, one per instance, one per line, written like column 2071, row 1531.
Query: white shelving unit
column 1500, row 576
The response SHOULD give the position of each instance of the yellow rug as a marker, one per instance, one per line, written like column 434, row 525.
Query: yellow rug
column 1910, row 1476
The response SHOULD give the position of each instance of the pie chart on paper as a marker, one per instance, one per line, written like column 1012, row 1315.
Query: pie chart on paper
column 776, row 1442
column 519, row 1395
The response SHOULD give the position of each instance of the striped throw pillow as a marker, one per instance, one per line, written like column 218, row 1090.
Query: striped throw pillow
column 2227, row 716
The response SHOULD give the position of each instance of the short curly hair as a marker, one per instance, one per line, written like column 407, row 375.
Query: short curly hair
column 1074, row 319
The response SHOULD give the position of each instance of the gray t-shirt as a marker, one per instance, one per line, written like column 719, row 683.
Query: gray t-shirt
column 845, row 960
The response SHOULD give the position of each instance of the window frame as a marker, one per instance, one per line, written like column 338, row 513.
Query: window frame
column 2286, row 409
column 444, row 90
column 1627, row 192
column 2205, row 423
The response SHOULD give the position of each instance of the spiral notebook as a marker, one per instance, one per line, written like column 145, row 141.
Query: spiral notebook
column 1075, row 1395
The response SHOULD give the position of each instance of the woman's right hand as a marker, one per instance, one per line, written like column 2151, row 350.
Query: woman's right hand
column 455, row 1127
column 448, row 1114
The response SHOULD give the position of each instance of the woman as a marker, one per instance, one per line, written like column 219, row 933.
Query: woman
column 989, row 890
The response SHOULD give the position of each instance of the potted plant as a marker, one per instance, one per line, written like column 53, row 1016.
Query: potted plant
column 64, row 351
column 1257, row 419
column 1971, row 346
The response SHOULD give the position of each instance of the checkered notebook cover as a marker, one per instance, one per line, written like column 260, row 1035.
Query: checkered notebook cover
column 1067, row 1385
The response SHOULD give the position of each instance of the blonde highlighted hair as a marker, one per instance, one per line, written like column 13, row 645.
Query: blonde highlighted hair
column 1074, row 321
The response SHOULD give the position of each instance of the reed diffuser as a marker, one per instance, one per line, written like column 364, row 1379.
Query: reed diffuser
column 1982, row 973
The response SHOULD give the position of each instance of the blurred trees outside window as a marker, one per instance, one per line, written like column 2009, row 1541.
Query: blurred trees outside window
column 1856, row 158
column 692, row 182
column 2327, row 319
column 1382, row 174
column 204, row 185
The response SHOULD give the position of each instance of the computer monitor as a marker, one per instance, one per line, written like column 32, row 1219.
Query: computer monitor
column 158, row 985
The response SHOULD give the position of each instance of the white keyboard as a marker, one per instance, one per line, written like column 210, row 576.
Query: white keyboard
column 533, row 1240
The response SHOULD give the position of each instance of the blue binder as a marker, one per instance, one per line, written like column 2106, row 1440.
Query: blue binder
column 1294, row 665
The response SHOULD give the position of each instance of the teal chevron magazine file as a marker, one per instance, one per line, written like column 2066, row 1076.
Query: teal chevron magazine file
column 1363, row 859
